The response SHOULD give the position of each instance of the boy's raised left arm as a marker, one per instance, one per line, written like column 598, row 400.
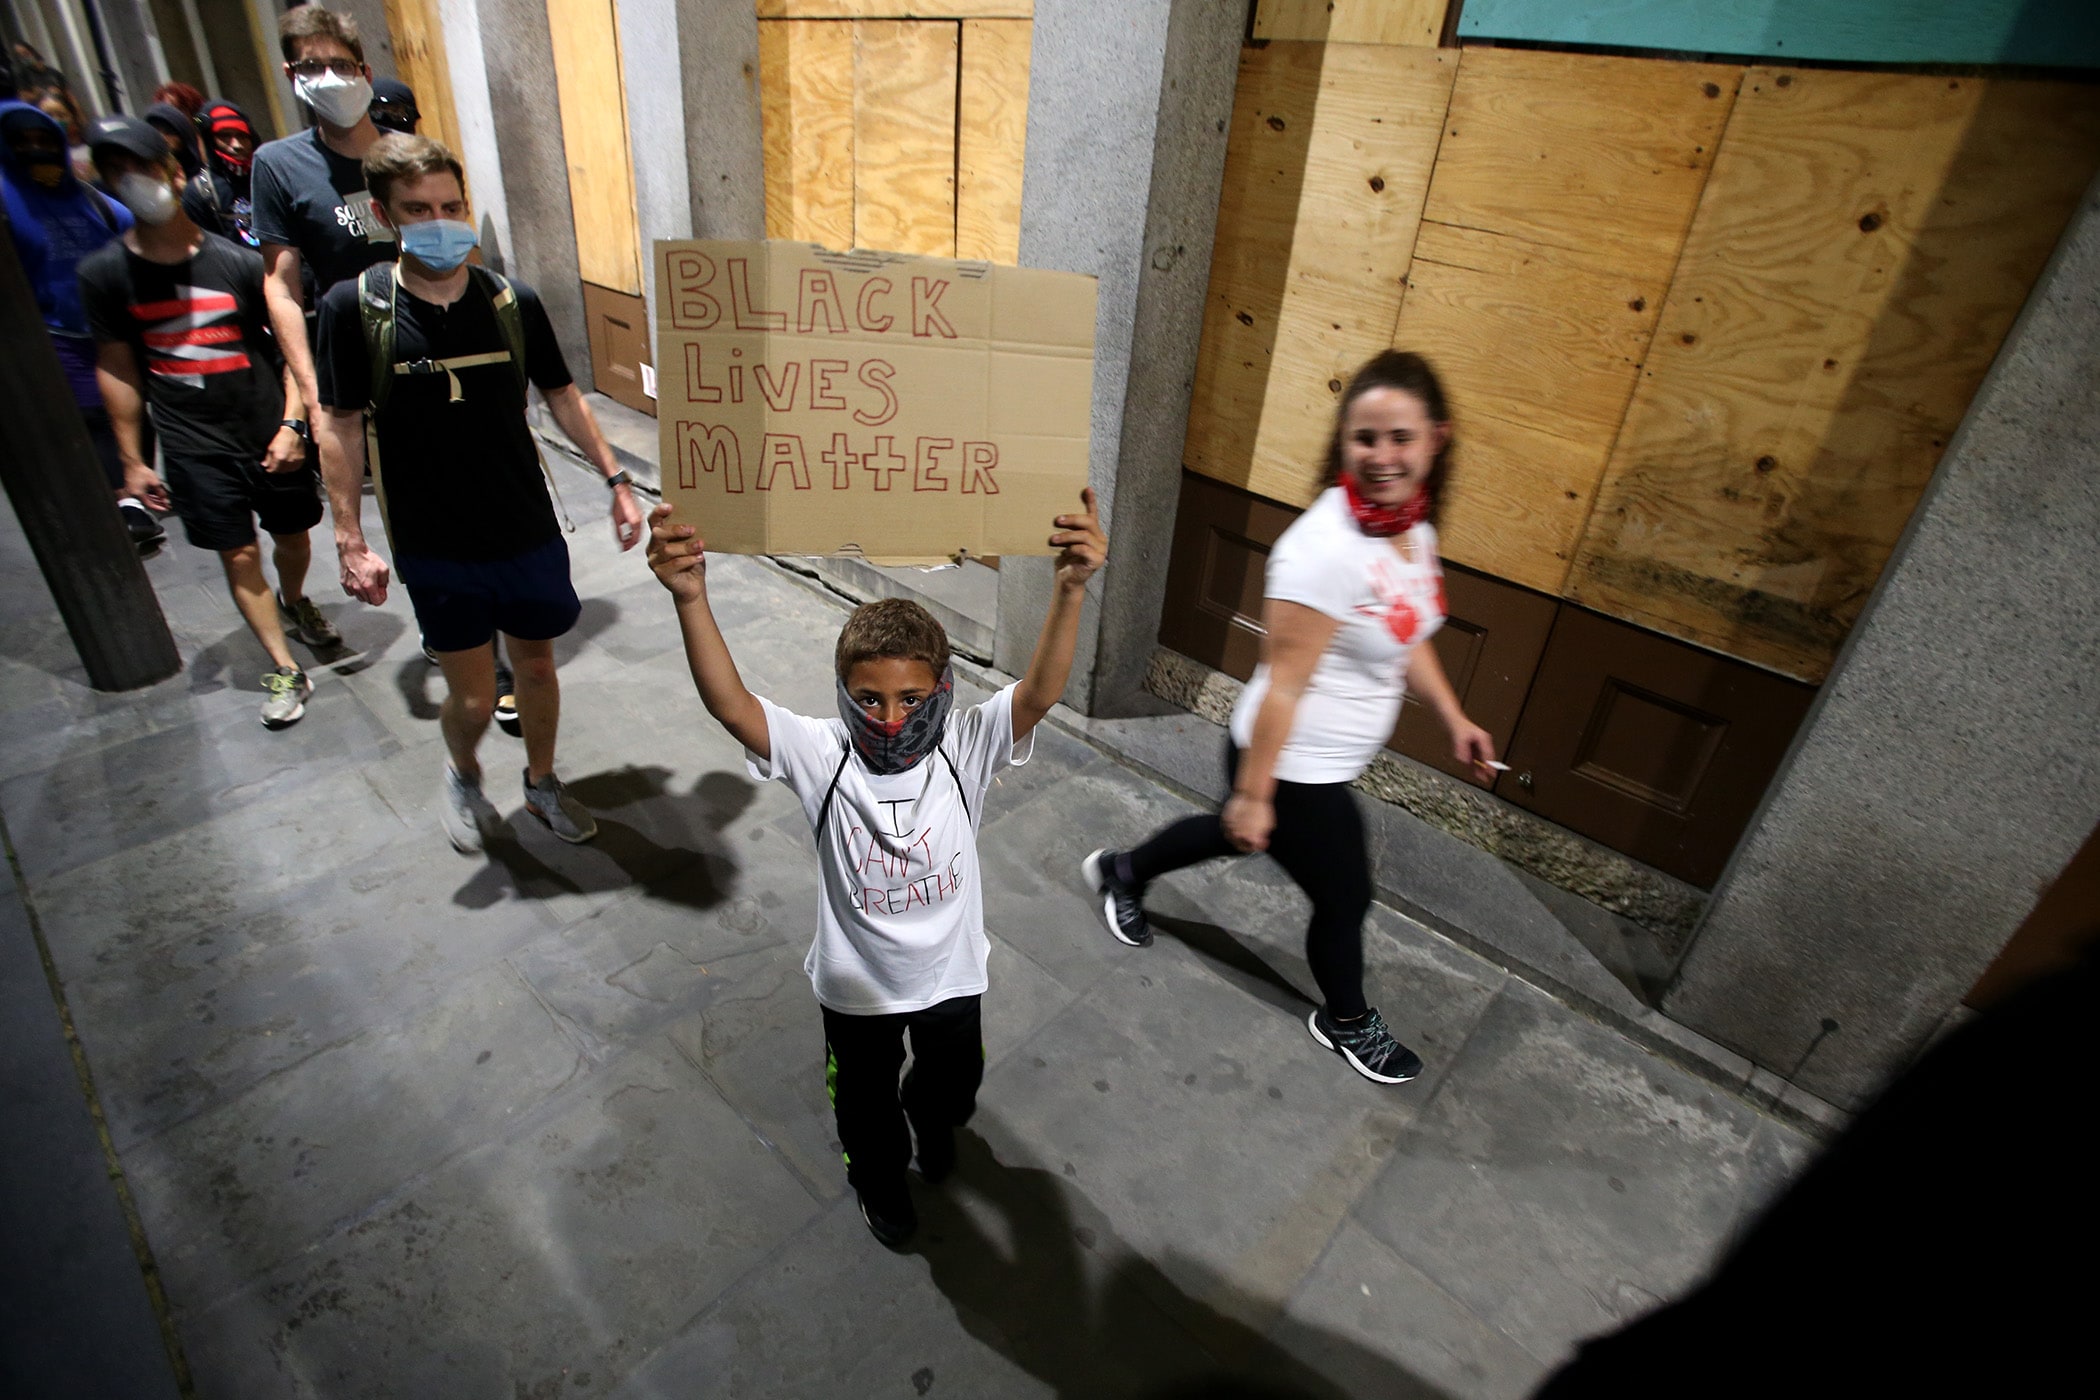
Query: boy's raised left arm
column 1085, row 550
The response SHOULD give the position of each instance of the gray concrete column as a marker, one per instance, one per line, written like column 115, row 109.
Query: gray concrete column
column 1951, row 766
column 718, row 68
column 1128, row 105
column 523, row 97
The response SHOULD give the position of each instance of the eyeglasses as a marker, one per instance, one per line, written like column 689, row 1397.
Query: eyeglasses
column 315, row 67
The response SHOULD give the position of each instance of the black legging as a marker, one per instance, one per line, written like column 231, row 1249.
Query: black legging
column 1319, row 842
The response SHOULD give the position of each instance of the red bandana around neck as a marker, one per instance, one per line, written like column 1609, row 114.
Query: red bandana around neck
column 1383, row 521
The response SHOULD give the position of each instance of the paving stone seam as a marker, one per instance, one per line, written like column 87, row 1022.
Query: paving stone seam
column 120, row 1186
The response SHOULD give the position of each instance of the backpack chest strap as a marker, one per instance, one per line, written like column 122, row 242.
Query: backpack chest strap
column 450, row 367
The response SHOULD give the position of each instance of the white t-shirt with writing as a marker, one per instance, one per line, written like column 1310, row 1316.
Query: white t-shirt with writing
column 1386, row 604
column 900, row 915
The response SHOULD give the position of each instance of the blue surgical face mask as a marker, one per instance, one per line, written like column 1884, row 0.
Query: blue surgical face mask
column 438, row 244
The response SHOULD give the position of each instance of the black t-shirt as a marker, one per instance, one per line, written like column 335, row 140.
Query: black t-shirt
column 309, row 198
column 201, row 336
column 462, row 480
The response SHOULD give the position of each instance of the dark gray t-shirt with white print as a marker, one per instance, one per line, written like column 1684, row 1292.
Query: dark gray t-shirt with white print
column 309, row 198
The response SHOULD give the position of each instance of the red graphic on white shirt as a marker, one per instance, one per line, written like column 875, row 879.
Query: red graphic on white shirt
column 1400, row 616
column 191, row 335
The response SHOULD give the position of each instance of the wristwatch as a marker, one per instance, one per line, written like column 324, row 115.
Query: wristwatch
column 299, row 426
column 618, row 479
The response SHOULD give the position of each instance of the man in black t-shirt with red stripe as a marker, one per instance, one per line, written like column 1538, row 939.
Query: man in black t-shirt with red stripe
column 181, row 329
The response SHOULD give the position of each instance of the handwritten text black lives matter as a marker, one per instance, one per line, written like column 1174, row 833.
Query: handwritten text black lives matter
column 864, row 390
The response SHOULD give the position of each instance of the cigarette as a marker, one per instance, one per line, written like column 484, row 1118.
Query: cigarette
column 1498, row 767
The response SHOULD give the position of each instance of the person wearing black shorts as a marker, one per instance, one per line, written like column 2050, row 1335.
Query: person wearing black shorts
column 181, row 328
column 442, row 368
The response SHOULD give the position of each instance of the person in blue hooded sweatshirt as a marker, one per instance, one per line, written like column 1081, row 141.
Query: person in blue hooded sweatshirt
column 55, row 221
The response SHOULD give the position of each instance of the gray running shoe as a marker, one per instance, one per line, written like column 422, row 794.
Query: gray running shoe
column 304, row 621
column 465, row 812
column 1367, row 1045
column 288, row 687
column 567, row 818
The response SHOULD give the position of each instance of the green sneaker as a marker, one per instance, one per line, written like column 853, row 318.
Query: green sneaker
column 288, row 687
column 304, row 621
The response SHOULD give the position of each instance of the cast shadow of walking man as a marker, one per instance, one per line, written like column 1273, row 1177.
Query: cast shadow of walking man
column 1035, row 1271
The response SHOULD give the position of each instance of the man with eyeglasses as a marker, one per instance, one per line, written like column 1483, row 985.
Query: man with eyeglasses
column 312, row 212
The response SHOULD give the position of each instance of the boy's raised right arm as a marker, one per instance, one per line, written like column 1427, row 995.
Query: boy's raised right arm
column 679, row 561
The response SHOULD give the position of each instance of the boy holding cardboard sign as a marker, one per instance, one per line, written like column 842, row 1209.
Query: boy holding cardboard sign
column 894, row 791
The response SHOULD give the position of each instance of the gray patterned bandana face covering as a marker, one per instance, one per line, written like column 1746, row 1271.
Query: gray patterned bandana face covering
column 897, row 747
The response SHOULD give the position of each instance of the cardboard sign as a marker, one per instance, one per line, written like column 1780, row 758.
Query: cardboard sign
column 896, row 408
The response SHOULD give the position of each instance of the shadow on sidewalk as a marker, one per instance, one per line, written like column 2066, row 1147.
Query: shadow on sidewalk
column 1051, row 1288
column 667, row 854
column 1243, row 966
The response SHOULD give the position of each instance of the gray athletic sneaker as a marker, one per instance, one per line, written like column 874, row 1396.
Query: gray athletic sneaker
column 288, row 687
column 567, row 818
column 465, row 812
column 304, row 621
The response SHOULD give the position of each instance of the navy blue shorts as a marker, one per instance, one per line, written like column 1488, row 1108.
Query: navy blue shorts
column 461, row 604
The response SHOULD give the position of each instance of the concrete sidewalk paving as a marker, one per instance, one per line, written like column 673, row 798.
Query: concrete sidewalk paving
column 552, row 1121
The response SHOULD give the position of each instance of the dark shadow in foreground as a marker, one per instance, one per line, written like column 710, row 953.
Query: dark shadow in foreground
column 1035, row 1271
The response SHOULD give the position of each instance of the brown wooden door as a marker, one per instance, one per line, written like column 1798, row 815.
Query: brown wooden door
column 618, row 326
column 2061, row 927
column 1655, row 748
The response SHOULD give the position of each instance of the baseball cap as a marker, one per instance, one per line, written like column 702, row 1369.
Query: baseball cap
column 127, row 134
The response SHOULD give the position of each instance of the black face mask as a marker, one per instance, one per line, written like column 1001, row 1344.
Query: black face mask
column 898, row 746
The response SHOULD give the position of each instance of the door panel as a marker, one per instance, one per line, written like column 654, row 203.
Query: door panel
column 1490, row 647
column 1652, row 747
column 618, row 326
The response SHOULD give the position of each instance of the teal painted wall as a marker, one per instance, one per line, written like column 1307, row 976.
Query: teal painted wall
column 2050, row 33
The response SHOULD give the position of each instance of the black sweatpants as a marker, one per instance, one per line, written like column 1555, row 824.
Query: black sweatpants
column 1319, row 842
column 862, row 1057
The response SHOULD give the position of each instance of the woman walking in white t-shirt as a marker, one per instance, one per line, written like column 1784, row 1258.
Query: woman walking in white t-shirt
column 1353, row 590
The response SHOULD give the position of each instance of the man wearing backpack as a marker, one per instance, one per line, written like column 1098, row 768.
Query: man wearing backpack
column 440, row 353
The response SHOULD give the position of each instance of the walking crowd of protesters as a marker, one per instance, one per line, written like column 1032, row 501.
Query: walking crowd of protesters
column 263, row 332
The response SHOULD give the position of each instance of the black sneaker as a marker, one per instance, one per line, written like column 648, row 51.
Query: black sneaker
column 146, row 532
column 1122, row 908
column 1367, row 1045
column 893, row 1223
column 507, row 703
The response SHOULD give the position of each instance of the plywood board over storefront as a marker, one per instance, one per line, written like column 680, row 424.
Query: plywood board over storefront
column 1861, row 250
column 891, row 407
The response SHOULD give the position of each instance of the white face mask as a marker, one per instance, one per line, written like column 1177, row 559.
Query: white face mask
column 341, row 102
column 150, row 201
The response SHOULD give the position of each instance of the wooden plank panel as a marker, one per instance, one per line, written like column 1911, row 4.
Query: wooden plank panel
column 991, row 138
column 1326, row 169
column 1580, row 151
column 2053, row 33
column 594, row 136
column 1352, row 21
column 805, row 88
column 1562, row 196
column 904, row 94
column 1861, row 251
column 1273, row 103
column 419, row 58
column 896, row 9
